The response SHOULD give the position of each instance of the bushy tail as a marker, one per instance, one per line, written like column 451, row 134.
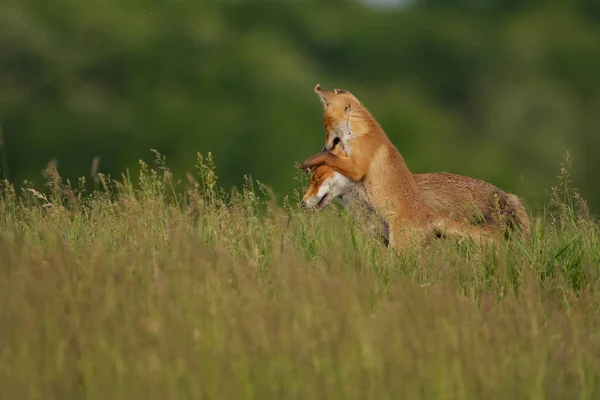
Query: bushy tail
column 519, row 222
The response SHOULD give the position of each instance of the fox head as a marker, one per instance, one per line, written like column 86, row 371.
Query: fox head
column 339, row 107
column 325, row 185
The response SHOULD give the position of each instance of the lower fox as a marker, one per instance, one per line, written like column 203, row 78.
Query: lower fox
column 455, row 197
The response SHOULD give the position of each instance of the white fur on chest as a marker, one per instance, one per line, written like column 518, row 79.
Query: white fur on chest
column 345, row 142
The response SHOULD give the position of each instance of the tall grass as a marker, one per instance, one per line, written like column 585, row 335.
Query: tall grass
column 151, row 288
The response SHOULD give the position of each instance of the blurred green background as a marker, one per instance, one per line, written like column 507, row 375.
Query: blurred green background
column 495, row 89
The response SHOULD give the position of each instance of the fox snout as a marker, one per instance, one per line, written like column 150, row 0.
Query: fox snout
column 308, row 204
column 331, row 144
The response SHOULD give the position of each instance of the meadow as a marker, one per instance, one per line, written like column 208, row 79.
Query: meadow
column 150, row 288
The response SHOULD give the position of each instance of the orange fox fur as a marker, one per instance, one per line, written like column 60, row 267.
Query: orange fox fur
column 455, row 197
column 373, row 159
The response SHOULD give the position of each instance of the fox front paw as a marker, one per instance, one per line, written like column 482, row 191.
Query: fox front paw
column 304, row 167
column 310, row 163
column 315, row 161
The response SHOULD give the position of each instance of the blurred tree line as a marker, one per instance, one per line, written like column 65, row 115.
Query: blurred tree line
column 495, row 89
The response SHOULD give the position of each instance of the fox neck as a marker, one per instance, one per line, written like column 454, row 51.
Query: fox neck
column 357, row 201
column 361, row 123
column 358, row 195
column 411, row 203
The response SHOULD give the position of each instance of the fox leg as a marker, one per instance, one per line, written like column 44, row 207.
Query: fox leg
column 406, row 240
column 344, row 165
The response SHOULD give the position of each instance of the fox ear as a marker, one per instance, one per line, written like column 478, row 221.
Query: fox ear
column 324, row 95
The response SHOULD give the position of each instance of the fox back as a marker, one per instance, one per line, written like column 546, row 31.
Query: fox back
column 473, row 201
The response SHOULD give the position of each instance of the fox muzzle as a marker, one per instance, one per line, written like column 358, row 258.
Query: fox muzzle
column 309, row 203
column 330, row 145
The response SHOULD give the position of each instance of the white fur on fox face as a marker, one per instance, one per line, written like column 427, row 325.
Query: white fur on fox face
column 339, row 185
column 344, row 133
column 324, row 190
column 335, row 186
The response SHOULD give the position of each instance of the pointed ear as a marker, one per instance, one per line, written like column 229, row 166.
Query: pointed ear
column 324, row 95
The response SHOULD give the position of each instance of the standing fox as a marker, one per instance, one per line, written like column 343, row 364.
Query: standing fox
column 373, row 159
column 455, row 197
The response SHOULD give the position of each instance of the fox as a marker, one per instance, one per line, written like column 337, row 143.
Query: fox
column 371, row 158
column 456, row 197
